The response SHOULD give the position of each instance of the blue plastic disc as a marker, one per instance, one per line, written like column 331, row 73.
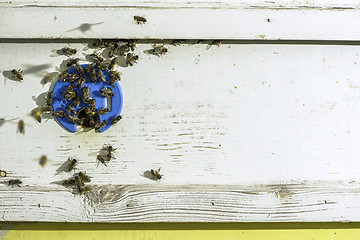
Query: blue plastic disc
column 114, row 103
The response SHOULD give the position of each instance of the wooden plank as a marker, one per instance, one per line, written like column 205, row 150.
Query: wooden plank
column 285, row 20
column 316, row 202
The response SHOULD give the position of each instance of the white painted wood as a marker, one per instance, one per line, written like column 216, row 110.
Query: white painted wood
column 192, row 203
column 280, row 20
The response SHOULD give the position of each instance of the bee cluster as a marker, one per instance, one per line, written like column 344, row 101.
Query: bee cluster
column 79, row 179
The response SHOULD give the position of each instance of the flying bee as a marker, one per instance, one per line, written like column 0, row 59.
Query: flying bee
column 93, row 75
column 159, row 50
column 49, row 98
column 17, row 74
column 101, row 75
column 178, row 42
column 72, row 62
column 74, row 119
column 112, row 63
column 131, row 59
column 103, row 111
column 79, row 69
column 114, row 76
column 62, row 75
column 116, row 120
column 84, row 189
column 43, row 160
column 77, row 101
column 156, row 174
column 100, row 125
column 21, row 127
column 84, row 177
column 3, row 173
column 101, row 159
column 106, row 92
column 36, row 113
column 140, row 20
column 13, row 182
column 68, row 182
column 59, row 113
column 71, row 110
column 68, row 51
column 70, row 95
column 72, row 162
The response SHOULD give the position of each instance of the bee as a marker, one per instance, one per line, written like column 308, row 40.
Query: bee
column 72, row 162
column 68, row 51
column 114, row 76
column 103, row 111
column 92, row 122
column 116, row 120
column 159, row 50
column 49, row 98
column 21, row 127
column 112, row 63
column 68, row 182
column 43, row 160
column 3, row 173
column 100, row 44
column 86, row 94
column 49, row 77
column 178, row 42
column 84, row 177
column 106, row 92
column 79, row 69
column 156, row 174
column 131, row 59
column 13, row 182
column 101, row 159
column 72, row 62
column 84, row 189
column 132, row 44
column 89, row 67
column 92, row 104
column 71, row 110
column 215, row 42
column 101, row 75
column 17, row 74
column 36, row 113
column 97, row 58
column 46, row 109
column 69, row 89
column 78, row 181
column 77, row 101
column 123, row 49
column 140, row 20
column 70, row 95
column 113, row 48
column 93, row 75
column 59, row 113
column 62, row 75
column 74, row 119
column 100, row 125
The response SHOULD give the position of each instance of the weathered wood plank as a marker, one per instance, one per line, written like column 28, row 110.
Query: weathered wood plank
column 286, row 20
column 314, row 202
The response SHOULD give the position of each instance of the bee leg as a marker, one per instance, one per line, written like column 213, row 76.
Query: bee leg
column 18, row 185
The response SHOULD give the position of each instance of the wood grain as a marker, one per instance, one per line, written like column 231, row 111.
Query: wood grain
column 255, row 20
column 314, row 202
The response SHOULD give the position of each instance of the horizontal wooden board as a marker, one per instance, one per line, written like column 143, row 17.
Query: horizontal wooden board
column 258, row 20
column 314, row 202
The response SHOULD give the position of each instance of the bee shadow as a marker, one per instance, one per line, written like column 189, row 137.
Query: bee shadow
column 150, row 52
column 35, row 68
column 121, row 61
column 147, row 174
column 5, row 183
column 84, row 27
column 8, row 75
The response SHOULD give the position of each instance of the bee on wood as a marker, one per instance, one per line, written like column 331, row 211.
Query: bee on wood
column 62, row 75
column 114, row 76
column 59, row 113
column 3, row 173
column 68, row 182
column 78, row 181
column 112, row 63
column 21, row 127
column 100, row 125
column 79, row 69
column 84, row 177
column 13, row 182
column 131, row 59
column 100, row 44
column 156, row 174
column 101, row 159
column 123, row 49
column 77, row 101
column 46, row 109
column 68, row 51
column 84, row 189
column 103, row 111
column 49, row 98
column 43, row 160
column 101, row 75
column 106, row 92
column 116, row 120
column 17, row 74
column 71, row 110
column 72, row 162
column 132, row 44
column 178, row 42
column 97, row 58
column 72, row 62
column 113, row 48
column 159, row 50
column 140, row 20
column 216, row 43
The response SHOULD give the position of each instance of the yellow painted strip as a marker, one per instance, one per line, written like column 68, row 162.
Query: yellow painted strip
column 183, row 231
